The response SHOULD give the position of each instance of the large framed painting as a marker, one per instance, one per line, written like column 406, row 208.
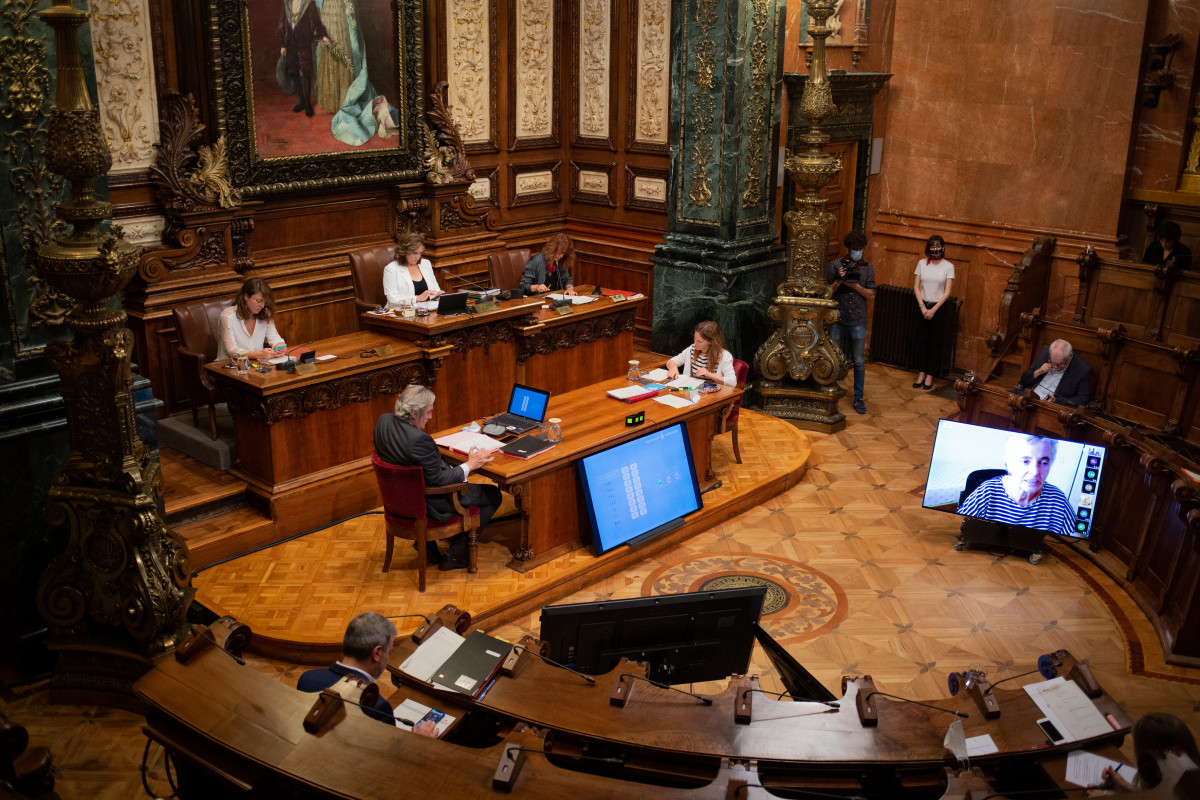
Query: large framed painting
column 316, row 93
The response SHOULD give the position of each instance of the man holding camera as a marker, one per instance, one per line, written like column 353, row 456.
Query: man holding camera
column 853, row 282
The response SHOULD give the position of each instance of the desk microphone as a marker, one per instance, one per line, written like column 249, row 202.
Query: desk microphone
column 464, row 280
column 959, row 714
column 781, row 695
column 553, row 663
column 1046, row 665
column 659, row 684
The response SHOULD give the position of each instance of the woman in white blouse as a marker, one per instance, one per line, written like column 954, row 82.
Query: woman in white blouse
column 410, row 276
column 249, row 324
column 932, row 280
column 708, row 347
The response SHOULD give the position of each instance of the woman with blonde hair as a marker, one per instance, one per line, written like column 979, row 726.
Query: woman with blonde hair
column 707, row 348
column 249, row 323
column 550, row 270
column 410, row 276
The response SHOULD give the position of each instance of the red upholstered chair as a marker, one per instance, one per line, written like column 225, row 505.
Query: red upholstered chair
column 506, row 268
column 196, row 330
column 366, row 270
column 404, row 491
column 740, row 369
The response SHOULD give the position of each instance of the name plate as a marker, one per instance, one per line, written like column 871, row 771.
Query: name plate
column 564, row 310
column 618, row 298
column 484, row 306
column 306, row 369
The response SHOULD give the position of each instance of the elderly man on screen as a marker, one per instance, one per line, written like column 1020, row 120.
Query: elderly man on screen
column 1057, row 376
column 1022, row 497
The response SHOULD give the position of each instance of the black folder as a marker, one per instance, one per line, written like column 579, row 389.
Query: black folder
column 473, row 664
column 526, row 446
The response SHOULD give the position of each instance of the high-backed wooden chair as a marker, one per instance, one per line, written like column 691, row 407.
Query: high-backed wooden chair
column 196, row 328
column 366, row 270
column 506, row 267
column 741, row 370
column 404, row 491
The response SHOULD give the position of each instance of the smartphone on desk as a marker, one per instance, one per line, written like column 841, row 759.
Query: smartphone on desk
column 1052, row 733
column 434, row 716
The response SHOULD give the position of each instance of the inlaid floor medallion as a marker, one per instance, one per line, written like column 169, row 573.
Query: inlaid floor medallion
column 801, row 602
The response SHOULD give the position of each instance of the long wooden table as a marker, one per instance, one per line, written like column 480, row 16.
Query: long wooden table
column 480, row 356
column 546, row 487
column 304, row 442
column 801, row 744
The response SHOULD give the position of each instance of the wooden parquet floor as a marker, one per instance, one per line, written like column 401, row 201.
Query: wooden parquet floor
column 298, row 596
column 885, row 594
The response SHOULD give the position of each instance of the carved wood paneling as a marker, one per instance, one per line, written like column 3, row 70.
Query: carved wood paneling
column 533, row 93
column 125, row 83
column 564, row 337
column 650, row 78
column 593, row 73
column 593, row 183
column 471, row 69
column 533, row 183
column 326, row 396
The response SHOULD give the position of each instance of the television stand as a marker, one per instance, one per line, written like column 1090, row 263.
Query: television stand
column 1013, row 539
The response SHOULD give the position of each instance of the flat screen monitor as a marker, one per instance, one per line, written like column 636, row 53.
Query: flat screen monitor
column 697, row 636
column 640, row 488
column 1012, row 478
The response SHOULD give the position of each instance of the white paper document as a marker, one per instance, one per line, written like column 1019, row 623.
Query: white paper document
column 626, row 392
column 432, row 653
column 577, row 300
column 1086, row 769
column 659, row 374
column 673, row 400
column 1068, row 708
column 981, row 746
column 463, row 441
column 415, row 712
column 685, row 383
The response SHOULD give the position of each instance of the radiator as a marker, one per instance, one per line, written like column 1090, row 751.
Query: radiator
column 894, row 329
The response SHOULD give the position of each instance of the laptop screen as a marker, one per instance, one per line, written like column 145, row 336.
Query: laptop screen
column 528, row 402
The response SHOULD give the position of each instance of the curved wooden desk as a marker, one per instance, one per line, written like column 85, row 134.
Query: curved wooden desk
column 480, row 356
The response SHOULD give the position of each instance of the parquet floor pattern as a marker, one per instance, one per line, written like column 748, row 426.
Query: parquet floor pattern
column 307, row 590
column 915, row 608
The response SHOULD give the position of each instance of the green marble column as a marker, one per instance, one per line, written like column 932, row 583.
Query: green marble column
column 721, row 258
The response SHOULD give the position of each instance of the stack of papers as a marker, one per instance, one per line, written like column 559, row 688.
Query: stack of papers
column 577, row 300
column 659, row 374
column 685, row 383
column 464, row 441
column 632, row 392
column 674, row 400
column 450, row 662
column 1068, row 709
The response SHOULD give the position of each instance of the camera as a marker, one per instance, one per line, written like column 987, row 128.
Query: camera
column 853, row 274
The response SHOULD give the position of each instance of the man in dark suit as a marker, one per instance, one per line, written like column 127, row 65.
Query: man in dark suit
column 366, row 648
column 1167, row 247
column 400, row 439
column 1057, row 376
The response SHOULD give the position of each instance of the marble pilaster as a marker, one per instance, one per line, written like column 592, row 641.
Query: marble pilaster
column 720, row 258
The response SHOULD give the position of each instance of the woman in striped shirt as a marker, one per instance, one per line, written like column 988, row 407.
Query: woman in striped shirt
column 707, row 348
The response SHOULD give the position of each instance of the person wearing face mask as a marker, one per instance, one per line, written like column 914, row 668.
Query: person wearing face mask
column 1057, row 376
column 934, row 276
column 1022, row 497
column 853, row 281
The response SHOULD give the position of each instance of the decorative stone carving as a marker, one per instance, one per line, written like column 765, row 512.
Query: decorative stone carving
column 535, row 70
column 125, row 80
column 445, row 153
column 186, row 180
column 595, row 36
column 468, row 45
column 653, row 71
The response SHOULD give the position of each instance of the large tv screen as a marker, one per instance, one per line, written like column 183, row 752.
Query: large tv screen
column 640, row 488
column 695, row 636
column 1014, row 478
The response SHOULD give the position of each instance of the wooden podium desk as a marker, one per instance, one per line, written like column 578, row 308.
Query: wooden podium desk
column 304, row 442
column 478, row 357
column 546, row 487
column 792, row 742
column 235, row 732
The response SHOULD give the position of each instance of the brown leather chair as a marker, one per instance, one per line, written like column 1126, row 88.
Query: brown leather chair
column 741, row 371
column 506, row 267
column 196, row 329
column 366, row 270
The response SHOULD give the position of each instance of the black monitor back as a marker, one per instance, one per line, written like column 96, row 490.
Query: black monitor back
column 686, row 638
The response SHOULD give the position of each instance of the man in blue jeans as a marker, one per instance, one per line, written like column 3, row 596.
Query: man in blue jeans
column 853, row 281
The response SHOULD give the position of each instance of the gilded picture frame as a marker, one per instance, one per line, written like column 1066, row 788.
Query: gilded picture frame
column 312, row 94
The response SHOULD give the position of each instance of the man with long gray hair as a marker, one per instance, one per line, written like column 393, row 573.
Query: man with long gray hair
column 400, row 439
